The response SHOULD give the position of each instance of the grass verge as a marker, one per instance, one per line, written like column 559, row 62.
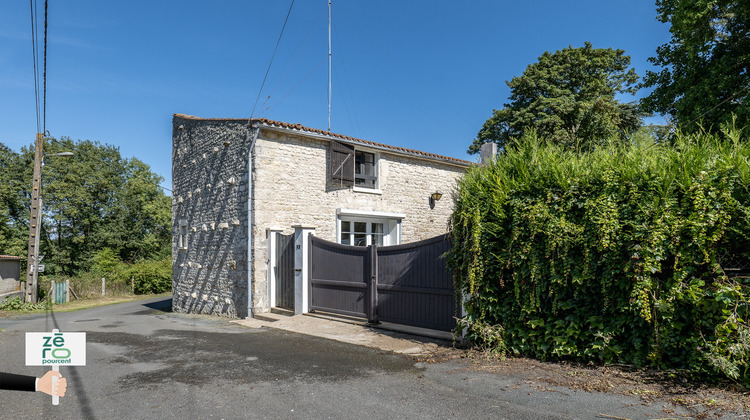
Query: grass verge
column 78, row 305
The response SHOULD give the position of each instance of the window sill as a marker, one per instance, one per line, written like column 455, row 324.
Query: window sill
column 367, row 190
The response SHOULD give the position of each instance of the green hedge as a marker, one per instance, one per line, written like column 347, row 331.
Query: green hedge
column 620, row 255
column 152, row 276
column 148, row 276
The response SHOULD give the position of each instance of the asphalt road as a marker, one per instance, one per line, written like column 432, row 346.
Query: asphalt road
column 146, row 362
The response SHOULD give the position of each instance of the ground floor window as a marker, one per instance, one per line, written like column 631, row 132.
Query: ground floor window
column 369, row 228
column 361, row 233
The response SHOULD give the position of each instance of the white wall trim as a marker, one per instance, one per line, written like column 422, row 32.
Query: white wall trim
column 367, row 190
column 369, row 213
column 301, row 268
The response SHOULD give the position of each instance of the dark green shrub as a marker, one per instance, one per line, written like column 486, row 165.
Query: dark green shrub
column 153, row 276
column 619, row 255
column 17, row 304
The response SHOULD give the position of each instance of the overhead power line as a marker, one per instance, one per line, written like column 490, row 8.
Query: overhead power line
column 272, row 57
column 34, row 54
column 735, row 95
column 289, row 66
column 44, row 77
column 40, row 104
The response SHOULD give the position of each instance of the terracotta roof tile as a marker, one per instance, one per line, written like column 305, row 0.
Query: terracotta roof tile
column 302, row 128
column 9, row 257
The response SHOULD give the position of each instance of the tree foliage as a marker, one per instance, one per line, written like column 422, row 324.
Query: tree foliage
column 99, row 208
column 621, row 255
column 568, row 97
column 13, row 202
column 706, row 65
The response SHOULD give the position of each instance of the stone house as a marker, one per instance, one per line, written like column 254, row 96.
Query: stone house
column 235, row 182
column 10, row 277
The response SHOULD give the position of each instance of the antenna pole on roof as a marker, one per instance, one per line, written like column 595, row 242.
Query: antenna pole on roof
column 329, row 65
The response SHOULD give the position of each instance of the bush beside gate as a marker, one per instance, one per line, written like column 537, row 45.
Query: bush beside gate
column 626, row 254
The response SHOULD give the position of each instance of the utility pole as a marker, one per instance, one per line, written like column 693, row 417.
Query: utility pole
column 35, row 222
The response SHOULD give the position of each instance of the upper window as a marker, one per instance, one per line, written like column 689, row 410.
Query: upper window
column 353, row 168
column 365, row 173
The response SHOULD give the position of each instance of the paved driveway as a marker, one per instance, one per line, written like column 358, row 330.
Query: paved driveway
column 143, row 362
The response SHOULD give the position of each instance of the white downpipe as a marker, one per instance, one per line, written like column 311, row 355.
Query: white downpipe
column 255, row 132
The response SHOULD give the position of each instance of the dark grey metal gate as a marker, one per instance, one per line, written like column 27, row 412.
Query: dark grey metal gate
column 285, row 271
column 406, row 284
column 339, row 278
column 415, row 286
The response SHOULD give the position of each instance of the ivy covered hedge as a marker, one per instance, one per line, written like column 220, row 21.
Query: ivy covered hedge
column 619, row 255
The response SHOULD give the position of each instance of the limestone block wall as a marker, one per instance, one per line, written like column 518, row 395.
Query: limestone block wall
column 210, row 197
column 291, row 187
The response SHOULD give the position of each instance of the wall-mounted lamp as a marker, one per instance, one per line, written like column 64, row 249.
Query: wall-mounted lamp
column 435, row 197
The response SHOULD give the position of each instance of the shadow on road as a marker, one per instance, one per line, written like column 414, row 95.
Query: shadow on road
column 75, row 379
column 164, row 305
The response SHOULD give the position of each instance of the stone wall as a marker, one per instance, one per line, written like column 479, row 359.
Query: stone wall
column 291, row 187
column 210, row 193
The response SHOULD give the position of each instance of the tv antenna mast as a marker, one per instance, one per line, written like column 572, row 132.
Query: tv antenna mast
column 329, row 65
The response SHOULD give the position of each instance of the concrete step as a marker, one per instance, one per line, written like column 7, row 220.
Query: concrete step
column 270, row 316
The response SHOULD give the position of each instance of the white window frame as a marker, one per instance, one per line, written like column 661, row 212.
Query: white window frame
column 376, row 170
column 182, row 235
column 391, row 224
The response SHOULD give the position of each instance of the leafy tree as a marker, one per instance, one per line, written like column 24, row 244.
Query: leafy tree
column 80, row 194
column 105, row 262
column 706, row 65
column 567, row 97
column 99, row 208
column 143, row 215
column 13, row 203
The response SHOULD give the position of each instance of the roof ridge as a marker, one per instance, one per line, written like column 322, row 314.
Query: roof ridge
column 326, row 133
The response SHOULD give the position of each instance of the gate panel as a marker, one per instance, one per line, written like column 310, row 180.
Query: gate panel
column 285, row 271
column 59, row 292
column 405, row 284
column 415, row 286
column 338, row 278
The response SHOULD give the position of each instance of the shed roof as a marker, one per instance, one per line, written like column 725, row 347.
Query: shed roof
column 264, row 122
column 9, row 257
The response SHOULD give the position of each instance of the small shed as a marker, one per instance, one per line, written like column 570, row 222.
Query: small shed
column 10, row 277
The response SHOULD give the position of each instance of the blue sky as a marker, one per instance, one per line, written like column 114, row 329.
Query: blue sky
column 421, row 74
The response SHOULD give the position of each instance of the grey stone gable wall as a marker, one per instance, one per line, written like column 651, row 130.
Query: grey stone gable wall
column 210, row 193
column 290, row 186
